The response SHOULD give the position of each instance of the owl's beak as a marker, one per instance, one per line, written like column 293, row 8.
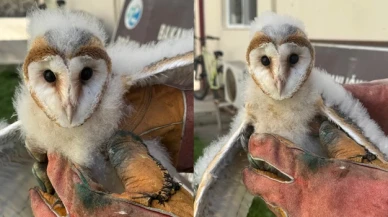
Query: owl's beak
column 69, row 112
column 279, row 85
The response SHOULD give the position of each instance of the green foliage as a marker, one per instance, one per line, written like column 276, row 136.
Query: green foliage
column 9, row 79
column 259, row 209
column 198, row 148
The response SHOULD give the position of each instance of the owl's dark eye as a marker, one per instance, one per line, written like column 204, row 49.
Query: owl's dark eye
column 86, row 73
column 49, row 76
column 265, row 61
column 293, row 59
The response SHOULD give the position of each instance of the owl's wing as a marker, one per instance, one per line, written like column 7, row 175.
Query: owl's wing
column 339, row 106
column 176, row 71
column 358, row 133
column 168, row 62
column 15, row 173
column 221, row 191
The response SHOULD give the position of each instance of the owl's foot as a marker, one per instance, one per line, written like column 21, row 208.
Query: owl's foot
column 245, row 135
column 40, row 172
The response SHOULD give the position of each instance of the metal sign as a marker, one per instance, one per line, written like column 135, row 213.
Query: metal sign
column 151, row 20
column 351, row 64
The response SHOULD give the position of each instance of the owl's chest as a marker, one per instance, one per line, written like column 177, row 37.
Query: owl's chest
column 80, row 145
column 288, row 119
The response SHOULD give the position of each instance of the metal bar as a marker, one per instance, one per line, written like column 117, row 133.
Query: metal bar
column 201, row 23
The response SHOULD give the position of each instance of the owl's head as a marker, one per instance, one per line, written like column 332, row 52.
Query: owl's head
column 280, row 57
column 67, row 67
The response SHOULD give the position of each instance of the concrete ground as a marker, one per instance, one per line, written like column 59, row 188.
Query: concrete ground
column 205, row 120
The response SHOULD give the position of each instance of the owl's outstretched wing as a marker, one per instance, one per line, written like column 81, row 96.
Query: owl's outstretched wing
column 339, row 106
column 168, row 62
column 175, row 71
column 221, row 191
column 143, row 68
column 15, row 173
column 351, row 129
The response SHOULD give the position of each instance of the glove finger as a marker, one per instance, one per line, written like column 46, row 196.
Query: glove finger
column 258, row 184
column 79, row 196
column 274, row 154
column 145, row 179
column 38, row 205
column 64, row 178
column 133, row 164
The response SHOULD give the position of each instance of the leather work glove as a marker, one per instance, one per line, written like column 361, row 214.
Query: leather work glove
column 167, row 113
column 149, row 189
column 295, row 183
column 80, row 196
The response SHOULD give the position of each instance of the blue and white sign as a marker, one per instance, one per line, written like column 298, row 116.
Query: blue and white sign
column 133, row 13
column 144, row 21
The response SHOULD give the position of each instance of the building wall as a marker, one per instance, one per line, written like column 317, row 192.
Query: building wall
column 356, row 20
column 107, row 11
column 339, row 19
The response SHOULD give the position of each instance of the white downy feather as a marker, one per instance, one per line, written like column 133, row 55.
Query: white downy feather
column 275, row 20
column 42, row 21
column 129, row 58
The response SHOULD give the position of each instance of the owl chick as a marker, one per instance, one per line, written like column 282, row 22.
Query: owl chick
column 72, row 98
column 284, row 94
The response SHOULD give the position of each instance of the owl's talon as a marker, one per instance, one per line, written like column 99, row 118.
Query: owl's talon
column 246, row 134
column 368, row 157
column 58, row 203
column 39, row 170
column 39, row 156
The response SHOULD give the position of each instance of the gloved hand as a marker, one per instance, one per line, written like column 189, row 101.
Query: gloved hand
column 149, row 189
column 79, row 196
column 295, row 183
column 351, row 183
